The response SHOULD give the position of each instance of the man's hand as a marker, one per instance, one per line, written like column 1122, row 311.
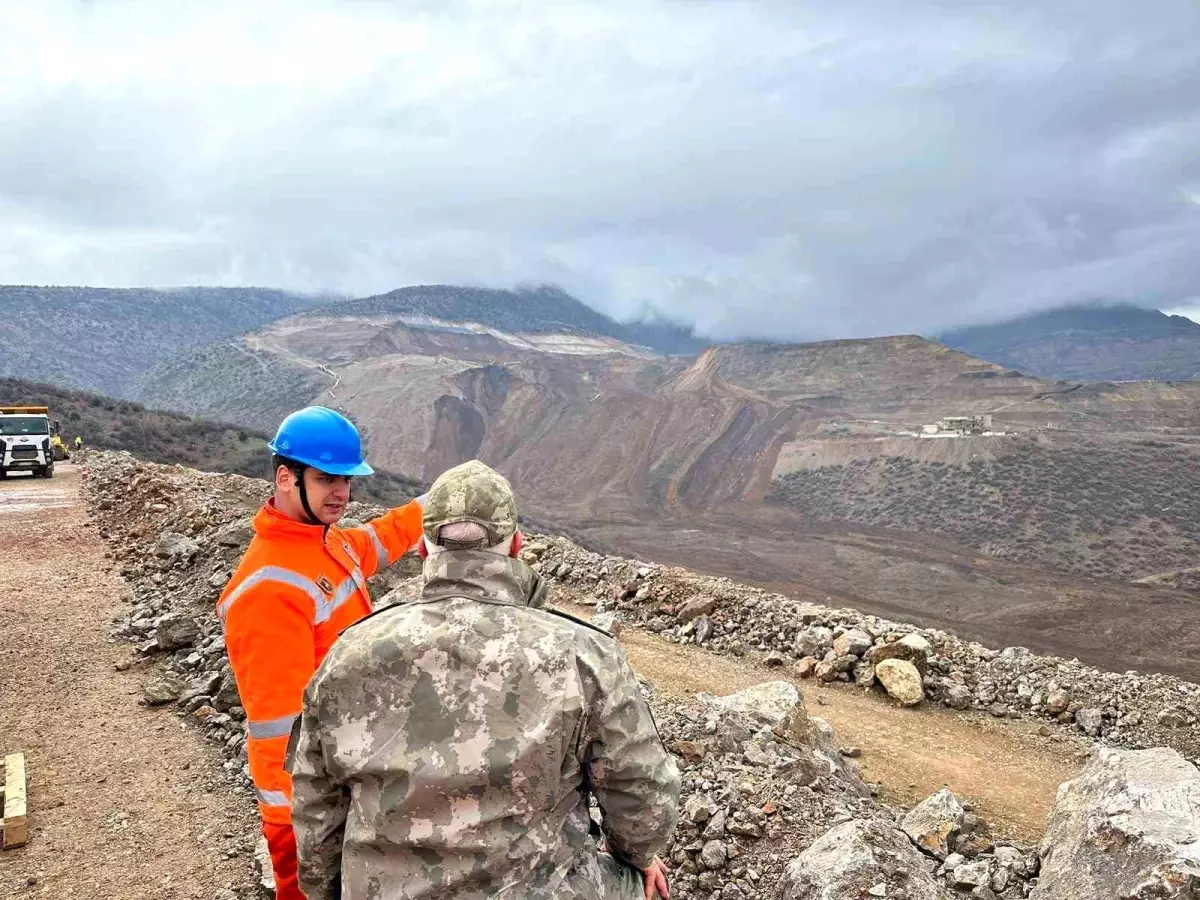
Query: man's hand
column 656, row 880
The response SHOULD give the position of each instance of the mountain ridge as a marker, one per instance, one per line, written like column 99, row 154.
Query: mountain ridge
column 676, row 455
column 1092, row 342
column 99, row 338
column 542, row 309
column 107, row 339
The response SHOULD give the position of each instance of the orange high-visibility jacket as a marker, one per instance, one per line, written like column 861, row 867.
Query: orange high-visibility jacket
column 296, row 589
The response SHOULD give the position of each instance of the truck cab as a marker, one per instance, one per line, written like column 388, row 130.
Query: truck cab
column 25, row 440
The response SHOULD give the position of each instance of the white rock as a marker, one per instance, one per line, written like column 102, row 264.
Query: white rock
column 901, row 680
column 775, row 703
column 855, row 857
column 1127, row 826
column 934, row 822
column 262, row 862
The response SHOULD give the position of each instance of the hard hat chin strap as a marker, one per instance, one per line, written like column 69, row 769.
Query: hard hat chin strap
column 298, row 471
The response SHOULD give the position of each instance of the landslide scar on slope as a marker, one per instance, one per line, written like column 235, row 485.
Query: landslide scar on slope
column 458, row 432
column 460, row 423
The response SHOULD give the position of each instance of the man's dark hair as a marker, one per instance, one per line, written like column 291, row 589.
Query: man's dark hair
column 277, row 461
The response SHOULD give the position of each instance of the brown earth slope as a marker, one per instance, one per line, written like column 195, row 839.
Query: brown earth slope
column 1112, row 625
column 672, row 457
column 588, row 420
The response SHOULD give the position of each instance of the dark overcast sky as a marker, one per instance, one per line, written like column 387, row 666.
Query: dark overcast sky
column 774, row 169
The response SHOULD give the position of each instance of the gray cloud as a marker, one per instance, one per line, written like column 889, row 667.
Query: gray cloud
column 759, row 169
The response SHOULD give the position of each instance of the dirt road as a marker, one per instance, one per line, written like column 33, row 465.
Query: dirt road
column 1006, row 768
column 124, row 802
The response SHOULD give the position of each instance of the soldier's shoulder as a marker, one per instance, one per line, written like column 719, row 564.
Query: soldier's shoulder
column 358, row 645
column 373, row 620
column 576, row 625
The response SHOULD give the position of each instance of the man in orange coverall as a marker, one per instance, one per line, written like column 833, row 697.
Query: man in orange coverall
column 302, row 581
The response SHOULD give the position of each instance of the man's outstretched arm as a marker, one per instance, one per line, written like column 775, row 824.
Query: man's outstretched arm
column 382, row 541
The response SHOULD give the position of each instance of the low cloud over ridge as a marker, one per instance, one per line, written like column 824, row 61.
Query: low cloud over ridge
column 757, row 169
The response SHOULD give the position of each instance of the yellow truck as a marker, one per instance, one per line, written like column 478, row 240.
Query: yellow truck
column 26, row 440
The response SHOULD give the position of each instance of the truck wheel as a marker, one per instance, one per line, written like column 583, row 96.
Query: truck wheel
column 48, row 472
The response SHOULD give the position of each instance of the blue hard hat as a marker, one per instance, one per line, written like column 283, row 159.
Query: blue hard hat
column 319, row 437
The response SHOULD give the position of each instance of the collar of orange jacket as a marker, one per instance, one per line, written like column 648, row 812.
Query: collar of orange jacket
column 270, row 523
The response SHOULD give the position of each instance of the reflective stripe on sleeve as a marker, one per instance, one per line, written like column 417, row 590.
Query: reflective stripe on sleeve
column 272, row 798
column 381, row 552
column 272, row 728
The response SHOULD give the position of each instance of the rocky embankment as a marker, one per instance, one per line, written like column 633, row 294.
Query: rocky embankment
column 771, row 806
column 1123, row 709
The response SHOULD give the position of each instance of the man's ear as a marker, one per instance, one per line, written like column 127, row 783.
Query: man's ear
column 284, row 477
column 517, row 544
column 422, row 550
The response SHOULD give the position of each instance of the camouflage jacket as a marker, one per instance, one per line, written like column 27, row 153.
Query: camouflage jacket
column 448, row 746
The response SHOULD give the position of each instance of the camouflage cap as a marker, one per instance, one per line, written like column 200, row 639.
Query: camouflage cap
column 471, row 492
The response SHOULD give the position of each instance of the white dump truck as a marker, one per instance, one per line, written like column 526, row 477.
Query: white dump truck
column 26, row 440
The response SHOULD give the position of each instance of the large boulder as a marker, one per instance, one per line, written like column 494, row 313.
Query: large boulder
column 776, row 704
column 935, row 822
column 1127, row 828
column 911, row 650
column 854, row 642
column 860, row 858
column 901, row 680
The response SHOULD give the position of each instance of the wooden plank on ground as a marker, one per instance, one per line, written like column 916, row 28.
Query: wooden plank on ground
column 16, row 828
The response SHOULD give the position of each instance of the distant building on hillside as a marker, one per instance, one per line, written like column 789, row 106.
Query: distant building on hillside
column 966, row 424
column 959, row 426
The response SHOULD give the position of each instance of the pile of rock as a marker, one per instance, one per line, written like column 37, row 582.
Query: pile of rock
column 1129, row 709
column 763, row 782
column 944, row 829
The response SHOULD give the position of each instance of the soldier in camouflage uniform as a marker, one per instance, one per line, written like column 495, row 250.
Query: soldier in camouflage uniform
column 448, row 746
